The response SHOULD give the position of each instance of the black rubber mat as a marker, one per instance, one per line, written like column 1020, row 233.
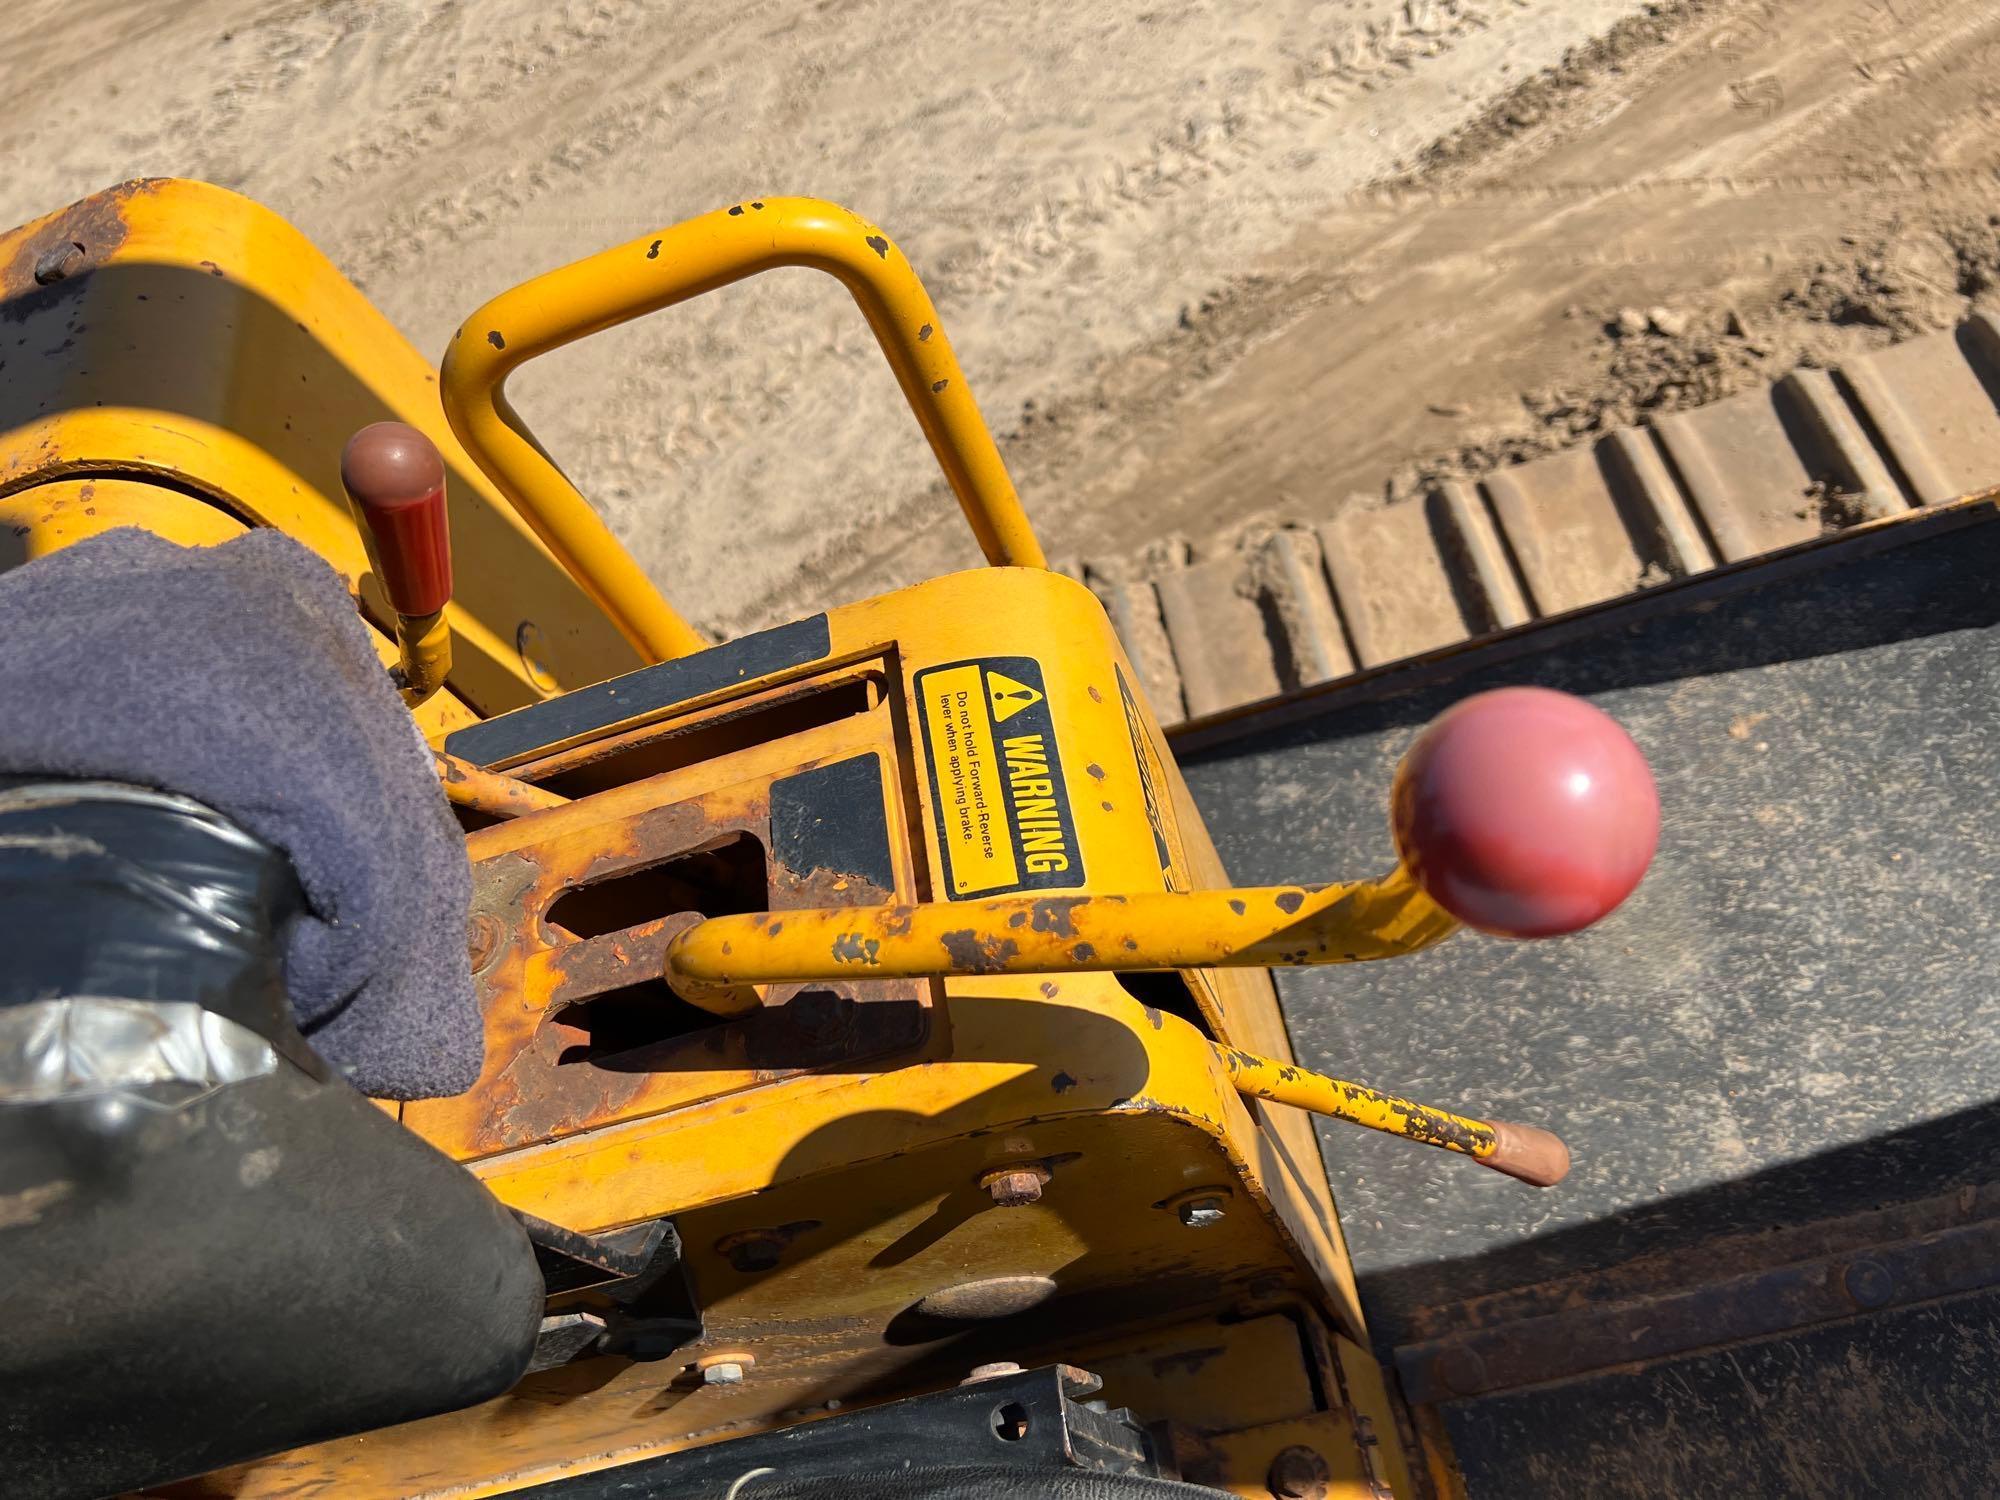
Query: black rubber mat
column 1795, row 1017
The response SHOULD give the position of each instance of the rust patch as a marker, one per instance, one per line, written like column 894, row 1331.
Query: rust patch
column 824, row 887
column 1155, row 1018
column 854, row 948
column 1083, row 953
column 1096, row 771
column 1062, row 1083
column 569, row 1045
column 617, row 959
column 1056, row 914
column 97, row 225
column 971, row 952
column 1290, row 901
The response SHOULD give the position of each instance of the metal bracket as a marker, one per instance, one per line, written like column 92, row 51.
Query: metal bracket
column 1026, row 1422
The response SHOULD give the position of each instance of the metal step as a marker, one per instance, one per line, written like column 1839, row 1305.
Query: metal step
column 1323, row 597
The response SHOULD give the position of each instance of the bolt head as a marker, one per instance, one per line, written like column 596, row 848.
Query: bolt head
column 1016, row 1187
column 1199, row 1213
column 728, row 1372
column 59, row 261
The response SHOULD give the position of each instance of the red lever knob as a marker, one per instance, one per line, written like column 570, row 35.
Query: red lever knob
column 394, row 478
column 1526, row 812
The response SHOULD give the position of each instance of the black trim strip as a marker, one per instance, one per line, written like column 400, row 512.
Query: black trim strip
column 513, row 736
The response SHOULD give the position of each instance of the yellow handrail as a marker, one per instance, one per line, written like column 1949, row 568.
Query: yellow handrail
column 656, row 271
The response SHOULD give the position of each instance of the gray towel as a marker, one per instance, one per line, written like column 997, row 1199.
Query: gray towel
column 241, row 676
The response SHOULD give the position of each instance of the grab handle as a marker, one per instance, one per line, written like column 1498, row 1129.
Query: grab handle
column 656, row 271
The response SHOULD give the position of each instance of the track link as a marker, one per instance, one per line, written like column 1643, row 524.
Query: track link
column 1310, row 601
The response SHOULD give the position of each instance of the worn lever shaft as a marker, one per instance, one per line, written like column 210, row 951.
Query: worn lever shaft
column 1523, row 1151
column 1261, row 928
column 1522, row 812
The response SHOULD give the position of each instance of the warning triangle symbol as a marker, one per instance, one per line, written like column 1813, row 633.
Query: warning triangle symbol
column 1009, row 697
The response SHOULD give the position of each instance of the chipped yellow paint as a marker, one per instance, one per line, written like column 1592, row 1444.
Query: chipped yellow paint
column 232, row 362
column 1054, row 933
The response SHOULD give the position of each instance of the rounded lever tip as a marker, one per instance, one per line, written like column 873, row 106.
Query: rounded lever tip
column 395, row 475
column 1527, row 1152
column 1526, row 812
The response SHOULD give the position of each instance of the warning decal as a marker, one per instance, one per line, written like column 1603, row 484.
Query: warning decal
column 1003, row 816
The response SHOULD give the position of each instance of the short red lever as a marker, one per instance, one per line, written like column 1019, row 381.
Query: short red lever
column 394, row 478
column 1526, row 812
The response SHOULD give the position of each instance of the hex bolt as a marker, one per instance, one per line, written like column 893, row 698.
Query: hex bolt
column 1199, row 1213
column 1016, row 1186
column 53, row 264
column 727, row 1371
column 1298, row 1473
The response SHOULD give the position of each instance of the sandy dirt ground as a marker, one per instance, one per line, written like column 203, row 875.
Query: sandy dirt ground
column 1205, row 263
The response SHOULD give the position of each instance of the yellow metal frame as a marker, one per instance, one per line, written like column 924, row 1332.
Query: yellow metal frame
column 1129, row 1109
column 202, row 347
column 656, row 271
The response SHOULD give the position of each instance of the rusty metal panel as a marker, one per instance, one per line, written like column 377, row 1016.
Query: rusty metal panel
column 1897, row 1403
column 554, row 1064
column 1595, row 1332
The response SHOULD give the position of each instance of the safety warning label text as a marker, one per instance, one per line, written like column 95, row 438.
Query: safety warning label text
column 1003, row 815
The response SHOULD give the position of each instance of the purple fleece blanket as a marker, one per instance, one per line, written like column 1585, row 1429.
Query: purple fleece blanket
column 241, row 676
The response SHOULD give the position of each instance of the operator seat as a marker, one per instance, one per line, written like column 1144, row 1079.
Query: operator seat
column 215, row 1248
